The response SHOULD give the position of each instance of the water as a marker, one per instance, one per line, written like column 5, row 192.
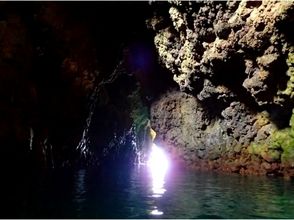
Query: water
column 132, row 193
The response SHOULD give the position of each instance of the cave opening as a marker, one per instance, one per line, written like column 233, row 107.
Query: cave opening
column 138, row 109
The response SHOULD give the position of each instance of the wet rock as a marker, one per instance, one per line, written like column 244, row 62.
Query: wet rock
column 182, row 122
column 237, row 77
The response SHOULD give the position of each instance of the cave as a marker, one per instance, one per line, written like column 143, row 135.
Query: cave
column 147, row 109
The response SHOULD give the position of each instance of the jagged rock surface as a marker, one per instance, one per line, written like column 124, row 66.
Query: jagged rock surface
column 235, row 60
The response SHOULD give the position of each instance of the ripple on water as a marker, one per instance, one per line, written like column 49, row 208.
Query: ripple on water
column 129, row 193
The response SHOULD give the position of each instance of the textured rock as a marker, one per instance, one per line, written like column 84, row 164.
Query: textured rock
column 209, row 39
column 235, row 60
column 182, row 121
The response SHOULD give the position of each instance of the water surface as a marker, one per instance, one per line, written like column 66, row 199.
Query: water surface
column 132, row 193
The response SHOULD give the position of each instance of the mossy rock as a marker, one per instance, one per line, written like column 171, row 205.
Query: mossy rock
column 279, row 138
column 285, row 140
column 262, row 119
column 268, row 152
column 271, row 155
column 288, row 156
column 290, row 58
column 290, row 84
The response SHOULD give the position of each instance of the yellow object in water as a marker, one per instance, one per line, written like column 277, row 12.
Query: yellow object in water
column 152, row 134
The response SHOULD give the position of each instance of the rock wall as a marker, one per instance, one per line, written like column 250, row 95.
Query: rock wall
column 48, row 69
column 233, row 62
column 53, row 55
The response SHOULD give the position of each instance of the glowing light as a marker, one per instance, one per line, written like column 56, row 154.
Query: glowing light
column 158, row 164
column 156, row 212
column 158, row 161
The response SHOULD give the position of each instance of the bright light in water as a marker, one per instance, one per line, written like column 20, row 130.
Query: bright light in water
column 156, row 212
column 158, row 164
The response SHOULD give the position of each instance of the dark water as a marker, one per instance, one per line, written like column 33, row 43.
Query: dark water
column 128, row 193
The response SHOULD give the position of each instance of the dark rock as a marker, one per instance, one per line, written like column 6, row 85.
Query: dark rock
column 222, row 30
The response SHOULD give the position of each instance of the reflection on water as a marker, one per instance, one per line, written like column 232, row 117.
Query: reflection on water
column 183, row 194
column 79, row 190
column 156, row 212
column 158, row 165
column 129, row 193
